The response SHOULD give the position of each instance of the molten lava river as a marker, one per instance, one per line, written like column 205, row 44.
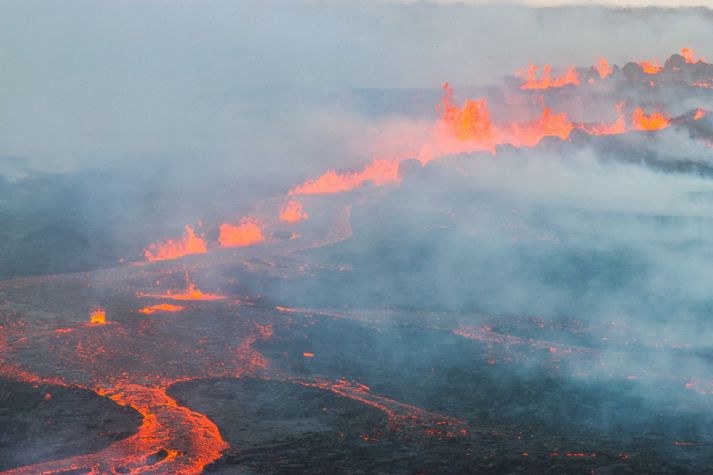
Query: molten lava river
column 365, row 321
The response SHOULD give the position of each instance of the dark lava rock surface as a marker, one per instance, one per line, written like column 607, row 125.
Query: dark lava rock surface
column 279, row 427
column 43, row 423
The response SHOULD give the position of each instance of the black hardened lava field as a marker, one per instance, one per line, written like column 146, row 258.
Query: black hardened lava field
column 518, row 279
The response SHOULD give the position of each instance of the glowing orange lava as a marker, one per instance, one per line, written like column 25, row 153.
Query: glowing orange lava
column 654, row 121
column 97, row 317
column 459, row 129
column 162, row 307
column 190, row 440
column 378, row 172
column 247, row 233
column 472, row 122
column 548, row 124
column 651, row 67
column 603, row 68
column 546, row 81
column 190, row 244
column 292, row 212
column 189, row 293
column 690, row 56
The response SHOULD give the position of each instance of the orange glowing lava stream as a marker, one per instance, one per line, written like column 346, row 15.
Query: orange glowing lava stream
column 189, row 244
column 162, row 307
column 191, row 440
column 378, row 172
column 458, row 130
column 469, row 129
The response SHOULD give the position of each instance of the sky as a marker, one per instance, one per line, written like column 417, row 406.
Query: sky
column 251, row 87
column 612, row 3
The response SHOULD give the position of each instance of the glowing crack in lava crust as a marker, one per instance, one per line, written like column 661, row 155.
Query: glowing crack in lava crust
column 199, row 307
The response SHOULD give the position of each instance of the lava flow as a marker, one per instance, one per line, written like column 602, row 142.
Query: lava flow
column 161, row 307
column 651, row 67
column 189, row 293
column 603, row 68
column 187, row 440
column 545, row 80
column 653, row 121
column 378, row 172
column 189, row 244
column 244, row 234
column 139, row 357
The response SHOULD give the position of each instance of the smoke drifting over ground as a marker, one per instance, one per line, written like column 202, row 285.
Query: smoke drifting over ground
column 251, row 97
column 274, row 236
column 220, row 83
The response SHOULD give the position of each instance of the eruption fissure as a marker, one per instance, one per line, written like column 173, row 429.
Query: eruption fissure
column 545, row 79
column 459, row 129
column 189, row 244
